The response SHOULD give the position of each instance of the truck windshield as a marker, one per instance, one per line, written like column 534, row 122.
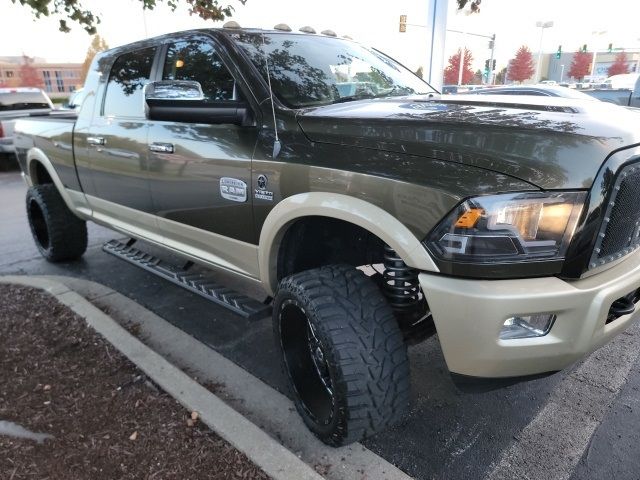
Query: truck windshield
column 309, row 70
column 23, row 101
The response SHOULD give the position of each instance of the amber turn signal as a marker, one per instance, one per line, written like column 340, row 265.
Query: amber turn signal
column 469, row 218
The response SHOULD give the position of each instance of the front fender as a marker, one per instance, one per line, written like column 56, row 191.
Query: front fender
column 342, row 207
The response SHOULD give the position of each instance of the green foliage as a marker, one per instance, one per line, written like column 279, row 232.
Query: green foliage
column 73, row 11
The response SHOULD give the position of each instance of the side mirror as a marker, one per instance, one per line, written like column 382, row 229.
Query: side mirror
column 175, row 90
column 183, row 101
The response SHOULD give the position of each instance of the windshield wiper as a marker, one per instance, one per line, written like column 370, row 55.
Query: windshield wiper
column 352, row 98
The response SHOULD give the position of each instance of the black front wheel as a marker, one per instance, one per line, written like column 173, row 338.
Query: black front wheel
column 57, row 232
column 342, row 352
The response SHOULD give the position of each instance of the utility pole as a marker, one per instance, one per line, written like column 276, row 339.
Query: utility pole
column 561, row 73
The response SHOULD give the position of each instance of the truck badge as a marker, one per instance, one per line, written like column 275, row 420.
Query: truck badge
column 261, row 192
column 233, row 189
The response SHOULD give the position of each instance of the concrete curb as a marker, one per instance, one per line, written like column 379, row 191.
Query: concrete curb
column 276, row 461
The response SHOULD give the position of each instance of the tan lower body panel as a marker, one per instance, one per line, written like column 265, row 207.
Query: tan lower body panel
column 204, row 247
column 469, row 315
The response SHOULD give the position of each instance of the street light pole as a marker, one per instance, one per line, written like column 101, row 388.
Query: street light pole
column 541, row 26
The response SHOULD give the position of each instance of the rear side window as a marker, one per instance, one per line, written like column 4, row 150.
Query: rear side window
column 197, row 60
column 23, row 101
column 129, row 73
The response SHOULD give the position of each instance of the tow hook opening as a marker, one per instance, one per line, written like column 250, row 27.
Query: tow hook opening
column 623, row 306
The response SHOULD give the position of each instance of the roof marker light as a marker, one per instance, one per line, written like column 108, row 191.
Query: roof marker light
column 329, row 33
column 307, row 29
column 232, row 25
column 283, row 27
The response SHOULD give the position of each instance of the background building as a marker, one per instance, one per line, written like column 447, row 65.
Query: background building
column 551, row 67
column 58, row 79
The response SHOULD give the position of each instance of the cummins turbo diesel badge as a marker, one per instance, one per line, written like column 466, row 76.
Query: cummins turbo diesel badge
column 261, row 192
column 233, row 189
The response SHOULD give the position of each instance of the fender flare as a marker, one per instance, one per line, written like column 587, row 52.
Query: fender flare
column 37, row 155
column 342, row 207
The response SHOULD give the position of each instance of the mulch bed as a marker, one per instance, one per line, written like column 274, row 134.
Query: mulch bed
column 57, row 376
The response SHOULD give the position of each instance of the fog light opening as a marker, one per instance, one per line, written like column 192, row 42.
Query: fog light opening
column 527, row 326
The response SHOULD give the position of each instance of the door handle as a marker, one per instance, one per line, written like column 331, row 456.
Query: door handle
column 96, row 140
column 162, row 147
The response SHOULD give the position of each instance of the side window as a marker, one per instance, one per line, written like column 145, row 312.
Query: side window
column 129, row 73
column 197, row 60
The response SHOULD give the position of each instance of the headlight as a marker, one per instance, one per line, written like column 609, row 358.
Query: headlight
column 508, row 228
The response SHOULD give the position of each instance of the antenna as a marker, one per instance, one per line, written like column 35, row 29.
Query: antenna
column 276, row 145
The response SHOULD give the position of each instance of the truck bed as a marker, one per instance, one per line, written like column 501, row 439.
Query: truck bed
column 53, row 134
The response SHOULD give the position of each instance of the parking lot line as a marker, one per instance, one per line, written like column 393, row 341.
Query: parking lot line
column 551, row 445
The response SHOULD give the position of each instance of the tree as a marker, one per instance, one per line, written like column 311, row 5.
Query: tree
column 452, row 72
column 580, row 66
column 98, row 44
column 521, row 66
column 72, row 10
column 29, row 75
column 501, row 77
column 619, row 65
column 474, row 6
column 420, row 72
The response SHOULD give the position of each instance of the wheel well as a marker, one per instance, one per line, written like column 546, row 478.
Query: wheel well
column 314, row 241
column 39, row 173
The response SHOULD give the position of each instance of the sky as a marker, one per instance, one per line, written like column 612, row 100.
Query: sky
column 372, row 22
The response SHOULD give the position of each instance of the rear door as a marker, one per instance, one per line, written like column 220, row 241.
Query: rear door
column 117, row 141
column 200, row 174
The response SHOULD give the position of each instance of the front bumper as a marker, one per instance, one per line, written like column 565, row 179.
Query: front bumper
column 469, row 315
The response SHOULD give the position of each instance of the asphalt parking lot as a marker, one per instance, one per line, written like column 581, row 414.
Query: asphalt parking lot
column 579, row 424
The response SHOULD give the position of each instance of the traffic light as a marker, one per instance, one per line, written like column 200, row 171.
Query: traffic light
column 403, row 23
column 584, row 48
column 491, row 43
column 493, row 67
column 610, row 49
column 486, row 65
column 559, row 52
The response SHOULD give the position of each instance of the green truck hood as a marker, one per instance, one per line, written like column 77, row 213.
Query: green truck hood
column 549, row 142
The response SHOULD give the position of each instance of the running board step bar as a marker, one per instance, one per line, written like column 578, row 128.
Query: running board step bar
column 199, row 283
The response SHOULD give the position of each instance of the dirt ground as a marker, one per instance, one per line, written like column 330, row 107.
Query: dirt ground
column 108, row 421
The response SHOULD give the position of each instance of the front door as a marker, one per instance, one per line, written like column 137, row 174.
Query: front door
column 200, row 174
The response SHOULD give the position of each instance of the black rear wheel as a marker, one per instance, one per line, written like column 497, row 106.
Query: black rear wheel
column 342, row 352
column 58, row 233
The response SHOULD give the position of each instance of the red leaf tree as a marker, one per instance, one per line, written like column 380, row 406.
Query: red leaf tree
column 29, row 76
column 521, row 66
column 619, row 65
column 452, row 72
column 581, row 65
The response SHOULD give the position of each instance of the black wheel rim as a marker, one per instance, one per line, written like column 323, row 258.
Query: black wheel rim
column 306, row 362
column 39, row 225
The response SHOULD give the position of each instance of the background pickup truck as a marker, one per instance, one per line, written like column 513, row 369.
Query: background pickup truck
column 16, row 103
column 370, row 210
column 628, row 97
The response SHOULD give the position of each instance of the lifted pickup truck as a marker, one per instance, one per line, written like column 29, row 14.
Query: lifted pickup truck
column 374, row 211
column 627, row 97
